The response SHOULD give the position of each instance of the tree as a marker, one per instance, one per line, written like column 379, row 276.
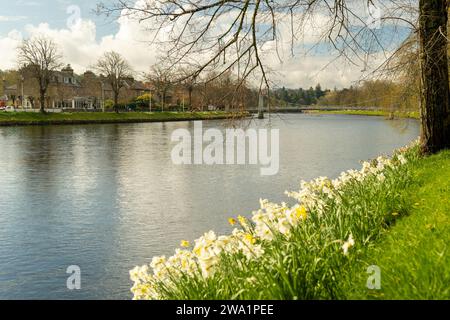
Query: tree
column 115, row 69
column 195, row 29
column 162, row 80
column 434, row 75
column 31, row 99
column 188, row 82
column 318, row 91
column 40, row 57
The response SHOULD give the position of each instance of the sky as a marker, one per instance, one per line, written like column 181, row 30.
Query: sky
column 16, row 14
column 83, row 37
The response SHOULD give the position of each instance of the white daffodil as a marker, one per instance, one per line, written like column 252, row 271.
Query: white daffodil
column 348, row 244
column 268, row 221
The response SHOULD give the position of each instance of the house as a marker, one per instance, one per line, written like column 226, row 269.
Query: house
column 131, row 89
column 67, row 90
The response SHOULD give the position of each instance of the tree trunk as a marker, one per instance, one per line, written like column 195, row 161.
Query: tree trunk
column 190, row 98
column 42, row 101
column 434, row 76
column 116, row 102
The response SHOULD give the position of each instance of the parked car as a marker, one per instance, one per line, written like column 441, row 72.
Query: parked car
column 10, row 108
column 2, row 108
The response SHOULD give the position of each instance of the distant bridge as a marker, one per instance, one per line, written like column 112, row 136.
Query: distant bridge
column 300, row 109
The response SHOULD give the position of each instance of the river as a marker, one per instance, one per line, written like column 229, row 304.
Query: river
column 108, row 197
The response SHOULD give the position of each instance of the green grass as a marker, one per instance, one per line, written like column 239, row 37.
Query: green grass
column 32, row 118
column 414, row 255
column 398, row 114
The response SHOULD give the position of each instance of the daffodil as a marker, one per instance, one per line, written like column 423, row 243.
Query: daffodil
column 185, row 244
column 242, row 221
column 301, row 213
column 250, row 238
column 348, row 244
column 402, row 159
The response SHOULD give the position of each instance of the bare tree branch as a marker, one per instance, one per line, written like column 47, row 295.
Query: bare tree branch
column 40, row 57
column 115, row 69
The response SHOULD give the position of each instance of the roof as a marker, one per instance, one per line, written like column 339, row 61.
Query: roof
column 138, row 85
column 135, row 85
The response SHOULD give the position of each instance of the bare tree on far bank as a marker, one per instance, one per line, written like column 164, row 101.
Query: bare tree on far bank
column 39, row 55
column 115, row 69
column 231, row 35
column 188, row 82
column 162, row 80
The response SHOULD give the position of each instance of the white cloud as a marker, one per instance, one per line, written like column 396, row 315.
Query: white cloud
column 8, row 47
column 81, row 48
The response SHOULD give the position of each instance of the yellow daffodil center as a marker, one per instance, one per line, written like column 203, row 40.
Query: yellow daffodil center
column 301, row 213
column 242, row 220
column 185, row 244
column 250, row 238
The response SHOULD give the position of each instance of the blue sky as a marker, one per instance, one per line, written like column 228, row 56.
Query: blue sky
column 81, row 44
column 16, row 14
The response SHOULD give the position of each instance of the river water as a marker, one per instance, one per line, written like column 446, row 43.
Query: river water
column 108, row 197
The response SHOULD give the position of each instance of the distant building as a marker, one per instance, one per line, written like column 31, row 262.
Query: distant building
column 68, row 90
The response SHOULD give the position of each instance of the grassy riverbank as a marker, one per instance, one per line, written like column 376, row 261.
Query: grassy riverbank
column 393, row 213
column 414, row 255
column 32, row 118
column 397, row 114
